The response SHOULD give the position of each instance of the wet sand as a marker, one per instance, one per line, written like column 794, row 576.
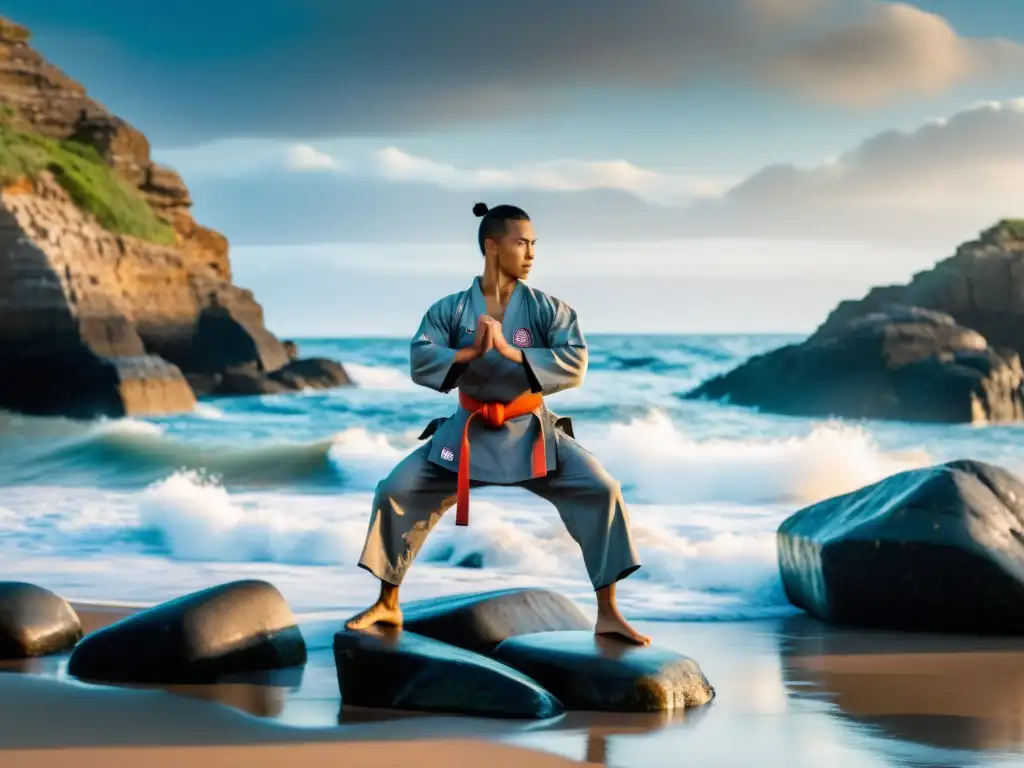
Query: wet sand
column 791, row 692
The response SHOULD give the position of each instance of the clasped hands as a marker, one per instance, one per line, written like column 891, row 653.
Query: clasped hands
column 490, row 336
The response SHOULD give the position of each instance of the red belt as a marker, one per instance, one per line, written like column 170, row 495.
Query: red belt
column 495, row 414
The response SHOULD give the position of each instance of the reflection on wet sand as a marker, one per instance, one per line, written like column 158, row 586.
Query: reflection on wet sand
column 945, row 691
column 597, row 728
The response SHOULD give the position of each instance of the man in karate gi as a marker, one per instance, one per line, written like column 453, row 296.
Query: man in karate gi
column 505, row 346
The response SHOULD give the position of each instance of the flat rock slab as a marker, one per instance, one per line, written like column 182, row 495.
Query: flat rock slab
column 234, row 628
column 398, row 669
column 936, row 549
column 35, row 621
column 587, row 672
column 481, row 620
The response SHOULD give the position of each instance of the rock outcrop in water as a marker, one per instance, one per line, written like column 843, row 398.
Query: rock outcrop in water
column 113, row 299
column 938, row 549
column 944, row 348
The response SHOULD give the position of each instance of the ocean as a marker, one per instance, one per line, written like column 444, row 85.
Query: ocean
column 278, row 487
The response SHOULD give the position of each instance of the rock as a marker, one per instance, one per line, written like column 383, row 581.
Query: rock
column 71, row 281
column 398, row 669
column 230, row 337
column 13, row 33
column 480, row 621
column 84, row 385
column 313, row 372
column 605, row 674
column 234, row 628
column 248, row 383
column 938, row 549
column 291, row 349
column 981, row 285
column 35, row 622
column 898, row 362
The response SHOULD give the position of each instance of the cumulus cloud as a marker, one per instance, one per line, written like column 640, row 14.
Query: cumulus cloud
column 563, row 175
column 302, row 157
column 944, row 179
column 893, row 49
column 932, row 186
column 319, row 67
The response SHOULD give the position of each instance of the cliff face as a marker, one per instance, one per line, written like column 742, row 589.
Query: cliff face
column 981, row 285
column 109, row 290
column 945, row 347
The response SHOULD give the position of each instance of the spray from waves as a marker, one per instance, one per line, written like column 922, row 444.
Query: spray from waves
column 689, row 570
column 704, row 514
column 192, row 517
column 663, row 465
column 129, row 453
column 380, row 377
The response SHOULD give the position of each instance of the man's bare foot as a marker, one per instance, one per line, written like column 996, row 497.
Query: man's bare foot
column 384, row 611
column 613, row 623
column 378, row 613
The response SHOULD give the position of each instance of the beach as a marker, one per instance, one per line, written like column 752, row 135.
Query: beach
column 115, row 515
column 790, row 692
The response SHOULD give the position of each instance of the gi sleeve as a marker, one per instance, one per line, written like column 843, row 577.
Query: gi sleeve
column 564, row 363
column 431, row 360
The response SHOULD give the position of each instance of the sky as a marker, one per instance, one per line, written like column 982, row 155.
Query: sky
column 690, row 166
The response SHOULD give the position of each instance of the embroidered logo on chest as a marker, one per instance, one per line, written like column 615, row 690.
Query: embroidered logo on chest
column 446, row 454
column 522, row 337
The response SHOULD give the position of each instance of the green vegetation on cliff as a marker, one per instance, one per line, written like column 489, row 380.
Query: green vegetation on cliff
column 1014, row 226
column 91, row 183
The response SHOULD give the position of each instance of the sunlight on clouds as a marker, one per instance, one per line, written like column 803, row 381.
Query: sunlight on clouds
column 302, row 157
column 893, row 50
column 563, row 175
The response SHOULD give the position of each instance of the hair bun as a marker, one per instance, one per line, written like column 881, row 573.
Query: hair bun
column 480, row 209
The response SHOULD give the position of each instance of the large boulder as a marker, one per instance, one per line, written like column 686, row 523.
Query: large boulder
column 480, row 621
column 589, row 672
column 35, row 621
column 230, row 629
column 396, row 669
column 895, row 363
column 937, row 549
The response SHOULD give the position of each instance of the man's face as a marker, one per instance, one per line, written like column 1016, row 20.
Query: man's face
column 515, row 251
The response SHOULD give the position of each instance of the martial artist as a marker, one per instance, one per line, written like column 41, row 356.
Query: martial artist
column 505, row 346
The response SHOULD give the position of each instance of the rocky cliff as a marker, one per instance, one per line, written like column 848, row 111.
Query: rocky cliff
column 981, row 285
column 945, row 347
column 113, row 299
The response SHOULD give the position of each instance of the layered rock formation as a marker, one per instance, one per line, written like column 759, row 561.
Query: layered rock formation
column 944, row 348
column 94, row 321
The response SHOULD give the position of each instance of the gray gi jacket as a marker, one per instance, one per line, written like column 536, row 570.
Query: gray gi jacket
column 554, row 358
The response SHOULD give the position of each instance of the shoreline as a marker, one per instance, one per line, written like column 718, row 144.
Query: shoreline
column 791, row 691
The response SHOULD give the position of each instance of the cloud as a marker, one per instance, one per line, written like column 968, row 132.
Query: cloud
column 563, row 175
column 318, row 68
column 302, row 157
column 944, row 179
column 933, row 186
column 893, row 50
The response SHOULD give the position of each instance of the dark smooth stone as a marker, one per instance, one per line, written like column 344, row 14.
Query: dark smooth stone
column 234, row 628
column 601, row 673
column 396, row 669
column 938, row 549
column 481, row 620
column 35, row 621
